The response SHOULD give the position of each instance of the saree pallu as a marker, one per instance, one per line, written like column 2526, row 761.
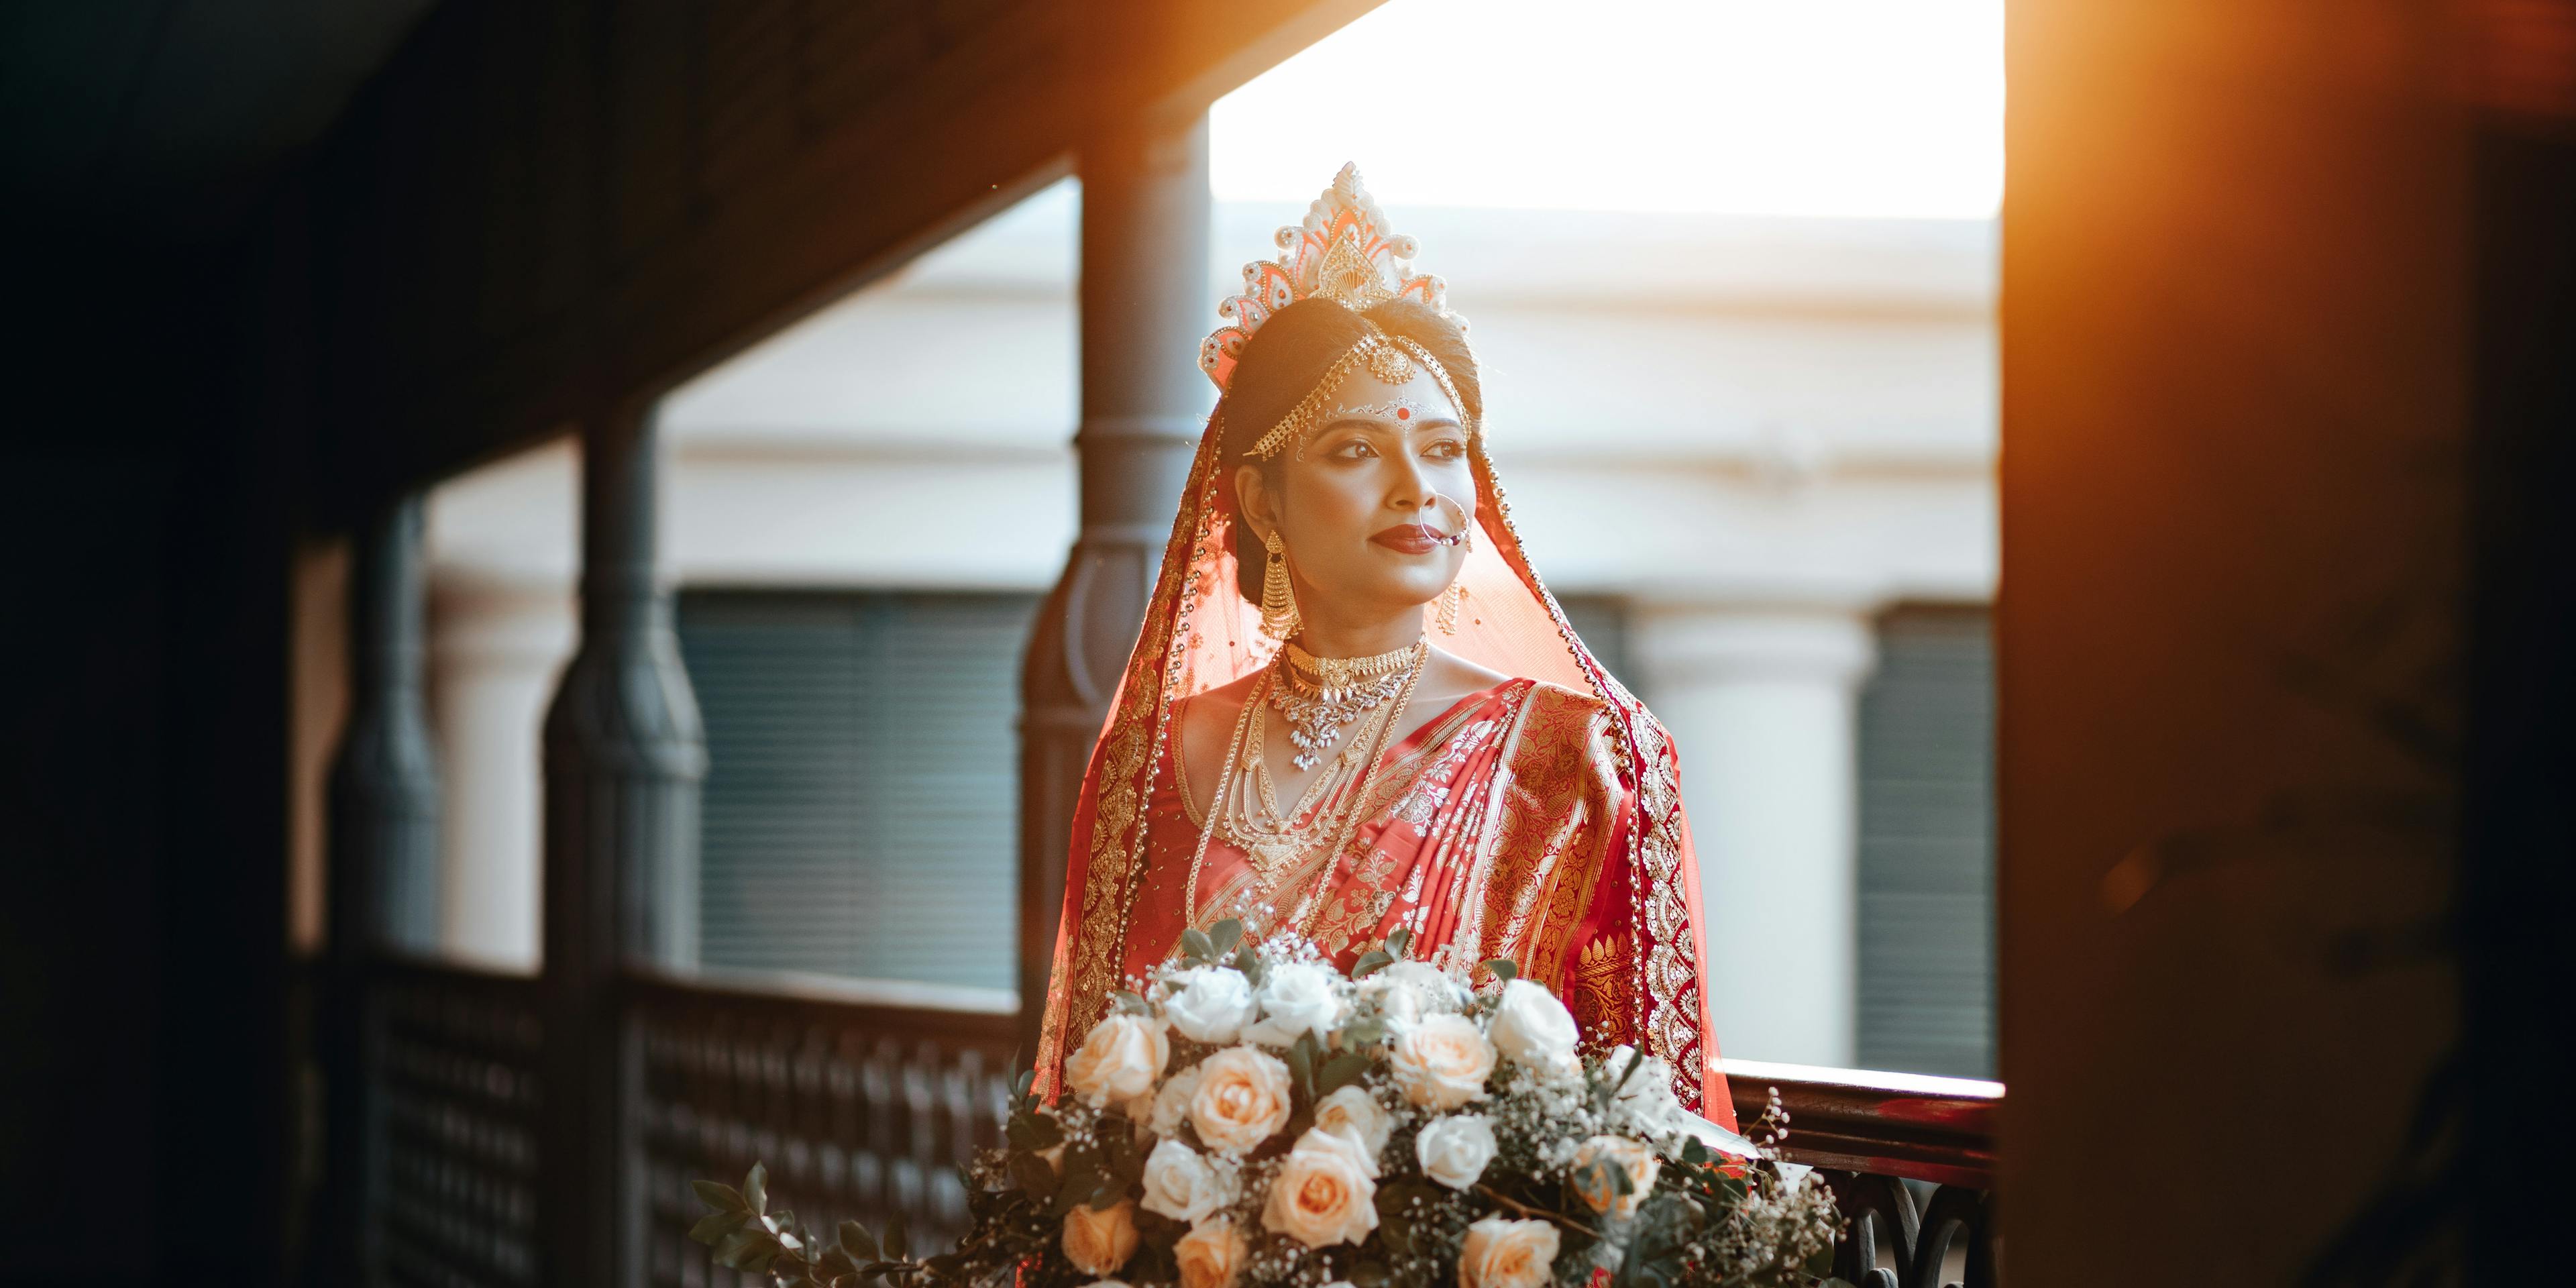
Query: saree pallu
column 1496, row 830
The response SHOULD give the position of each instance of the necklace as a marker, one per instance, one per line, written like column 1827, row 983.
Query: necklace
column 1246, row 810
column 1320, row 695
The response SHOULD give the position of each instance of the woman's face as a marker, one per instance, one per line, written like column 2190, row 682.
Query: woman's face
column 1356, row 508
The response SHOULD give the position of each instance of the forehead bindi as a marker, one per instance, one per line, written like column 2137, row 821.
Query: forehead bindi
column 1419, row 400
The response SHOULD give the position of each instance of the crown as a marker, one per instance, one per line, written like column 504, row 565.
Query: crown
column 1343, row 252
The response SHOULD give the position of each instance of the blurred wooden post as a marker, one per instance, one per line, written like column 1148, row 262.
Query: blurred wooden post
column 624, row 758
column 1145, row 308
column 382, row 888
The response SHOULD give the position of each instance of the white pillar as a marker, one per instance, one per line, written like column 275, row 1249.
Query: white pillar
column 496, row 647
column 1762, row 704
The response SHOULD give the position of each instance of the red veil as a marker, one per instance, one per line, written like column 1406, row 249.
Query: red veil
column 1199, row 634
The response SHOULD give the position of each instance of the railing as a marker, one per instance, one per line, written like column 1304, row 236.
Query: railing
column 863, row 1105
column 456, row 1091
column 1911, row 1161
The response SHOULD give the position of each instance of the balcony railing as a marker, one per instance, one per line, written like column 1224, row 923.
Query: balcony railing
column 863, row 1108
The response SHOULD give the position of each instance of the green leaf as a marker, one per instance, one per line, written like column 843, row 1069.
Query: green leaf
column 715, row 1227
column 1046, row 1131
column 716, row 1194
column 1371, row 962
column 1399, row 944
column 1504, row 969
column 1225, row 935
column 1249, row 962
column 1364, row 1033
column 858, row 1243
column 739, row 1248
column 894, row 1242
column 1301, row 1064
column 755, row 1188
column 1131, row 1004
column 1021, row 1084
column 1021, row 1133
column 1197, row 945
column 1036, row 1179
column 1339, row 1072
column 1693, row 1151
column 1368, row 1274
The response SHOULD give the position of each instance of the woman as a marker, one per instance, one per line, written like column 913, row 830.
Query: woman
column 1354, row 708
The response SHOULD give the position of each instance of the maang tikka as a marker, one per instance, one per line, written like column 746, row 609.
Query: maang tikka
column 1278, row 594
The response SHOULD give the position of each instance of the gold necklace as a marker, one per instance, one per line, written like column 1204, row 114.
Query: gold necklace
column 1272, row 844
column 1320, row 695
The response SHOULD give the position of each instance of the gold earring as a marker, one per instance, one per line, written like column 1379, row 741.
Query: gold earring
column 1278, row 595
column 1446, row 613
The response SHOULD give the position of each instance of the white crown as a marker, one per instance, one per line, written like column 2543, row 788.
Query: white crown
column 1343, row 252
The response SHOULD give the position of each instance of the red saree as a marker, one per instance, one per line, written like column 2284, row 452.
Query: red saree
column 1539, row 820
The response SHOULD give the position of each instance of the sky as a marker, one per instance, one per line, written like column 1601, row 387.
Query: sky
column 1854, row 108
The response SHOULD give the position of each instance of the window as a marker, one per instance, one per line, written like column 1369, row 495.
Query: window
column 862, row 795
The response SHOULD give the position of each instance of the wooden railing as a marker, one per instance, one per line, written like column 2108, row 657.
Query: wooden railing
column 1911, row 1160
column 863, row 1104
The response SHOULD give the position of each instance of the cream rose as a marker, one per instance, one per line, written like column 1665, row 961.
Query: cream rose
column 1241, row 1099
column 1118, row 1061
column 1500, row 1253
column 1534, row 1028
column 1595, row 1162
column 1355, row 1113
column 1442, row 1062
column 1099, row 1242
column 1179, row 1184
column 1454, row 1150
column 1297, row 998
column 1210, row 1255
column 1172, row 1102
column 1408, row 990
column 1210, row 1004
column 1323, row 1193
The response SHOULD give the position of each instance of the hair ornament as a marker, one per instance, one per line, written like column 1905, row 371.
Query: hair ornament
column 1344, row 252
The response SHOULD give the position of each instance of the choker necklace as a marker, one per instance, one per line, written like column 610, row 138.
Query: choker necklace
column 1320, row 695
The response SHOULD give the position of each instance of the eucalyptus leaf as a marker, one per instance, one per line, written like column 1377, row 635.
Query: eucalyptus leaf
column 715, row 1227
column 1504, row 969
column 1339, row 1072
column 1301, row 1064
column 1197, row 945
column 1130, row 1003
column 1371, row 962
column 856, row 1241
column 1249, row 962
column 1225, row 935
column 755, row 1188
column 1400, row 944
column 716, row 1194
column 894, row 1241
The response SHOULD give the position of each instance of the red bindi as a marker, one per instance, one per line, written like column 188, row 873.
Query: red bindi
column 1404, row 413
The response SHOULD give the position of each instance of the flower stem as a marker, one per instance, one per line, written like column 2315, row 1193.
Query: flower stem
column 1524, row 1209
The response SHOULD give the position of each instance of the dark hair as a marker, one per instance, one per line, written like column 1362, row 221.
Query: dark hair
column 1281, row 364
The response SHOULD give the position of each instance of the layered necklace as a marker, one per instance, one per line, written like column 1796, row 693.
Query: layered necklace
column 1357, row 703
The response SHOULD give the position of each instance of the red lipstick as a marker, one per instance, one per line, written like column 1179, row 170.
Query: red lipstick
column 1409, row 539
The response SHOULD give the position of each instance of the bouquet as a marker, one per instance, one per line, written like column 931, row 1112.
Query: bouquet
column 1247, row 1116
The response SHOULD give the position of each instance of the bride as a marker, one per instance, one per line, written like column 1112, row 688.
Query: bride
column 1354, row 707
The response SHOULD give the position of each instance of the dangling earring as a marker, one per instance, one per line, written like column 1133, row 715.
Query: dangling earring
column 1446, row 612
column 1278, row 595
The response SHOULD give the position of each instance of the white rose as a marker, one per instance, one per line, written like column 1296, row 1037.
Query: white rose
column 1454, row 1150
column 1647, row 1096
column 1598, row 1158
column 1501, row 1253
column 1432, row 984
column 1100, row 1242
column 1118, row 1061
column 1179, row 1184
column 1442, row 1062
column 1210, row 1004
column 1241, row 1099
column 1355, row 1113
column 1323, row 1193
column 1534, row 1028
column 1172, row 1102
column 1297, row 998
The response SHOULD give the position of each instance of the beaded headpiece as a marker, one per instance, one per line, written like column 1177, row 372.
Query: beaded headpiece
column 1344, row 253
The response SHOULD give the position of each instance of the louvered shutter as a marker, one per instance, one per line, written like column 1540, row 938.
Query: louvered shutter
column 862, row 790
column 1927, row 846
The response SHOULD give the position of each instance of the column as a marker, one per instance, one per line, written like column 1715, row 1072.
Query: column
column 1145, row 307
column 496, row 643
column 625, row 755
column 382, row 887
column 1762, row 704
